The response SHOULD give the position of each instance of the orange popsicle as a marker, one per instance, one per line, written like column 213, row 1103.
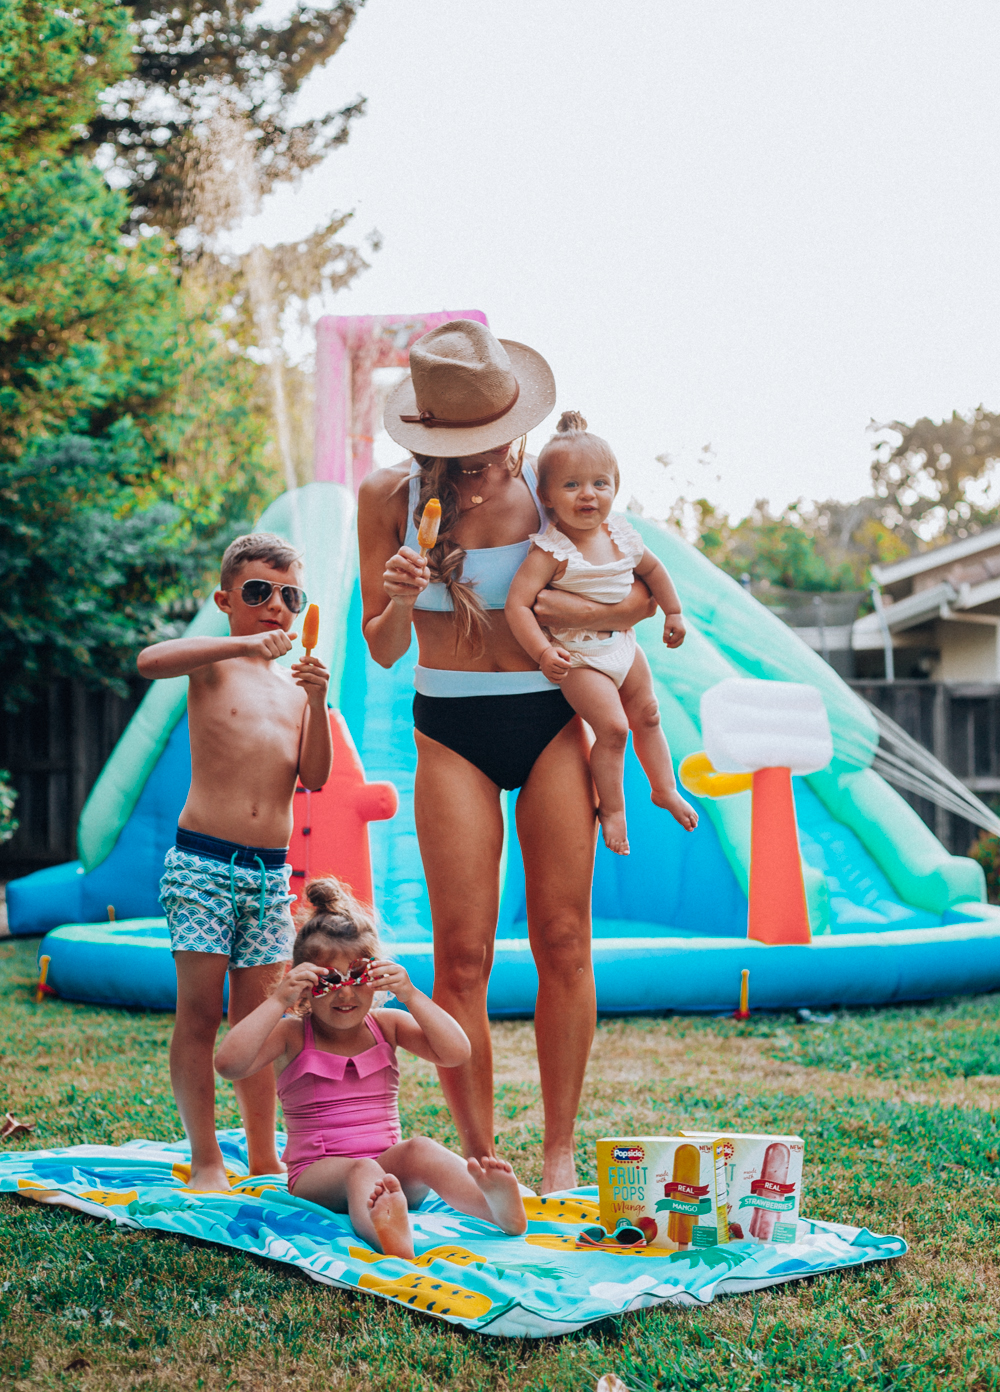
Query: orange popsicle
column 687, row 1170
column 310, row 629
column 430, row 521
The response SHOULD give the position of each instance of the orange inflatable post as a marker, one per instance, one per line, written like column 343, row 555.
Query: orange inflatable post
column 778, row 911
column 330, row 835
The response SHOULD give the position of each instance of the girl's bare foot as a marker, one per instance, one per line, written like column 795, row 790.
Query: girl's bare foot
column 558, row 1171
column 614, row 832
column 209, row 1179
column 500, row 1189
column 680, row 810
column 391, row 1218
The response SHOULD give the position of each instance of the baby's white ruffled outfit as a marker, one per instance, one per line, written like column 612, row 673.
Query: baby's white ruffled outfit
column 607, row 584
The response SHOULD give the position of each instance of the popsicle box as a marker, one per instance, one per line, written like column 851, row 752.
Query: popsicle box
column 673, row 1187
column 763, row 1182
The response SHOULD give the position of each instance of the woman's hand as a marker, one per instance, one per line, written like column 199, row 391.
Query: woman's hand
column 406, row 576
column 554, row 663
column 296, row 986
column 390, row 976
column 673, row 630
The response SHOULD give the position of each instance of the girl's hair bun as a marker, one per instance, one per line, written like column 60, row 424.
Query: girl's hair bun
column 570, row 421
column 329, row 896
column 337, row 919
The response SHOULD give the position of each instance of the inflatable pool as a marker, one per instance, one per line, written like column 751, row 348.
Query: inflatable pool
column 893, row 915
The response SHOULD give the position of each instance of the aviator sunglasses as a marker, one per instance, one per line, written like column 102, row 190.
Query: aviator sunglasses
column 257, row 592
column 357, row 975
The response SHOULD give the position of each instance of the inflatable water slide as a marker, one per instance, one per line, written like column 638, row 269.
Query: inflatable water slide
column 893, row 916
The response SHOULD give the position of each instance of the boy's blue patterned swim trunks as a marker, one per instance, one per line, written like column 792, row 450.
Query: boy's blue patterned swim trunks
column 221, row 897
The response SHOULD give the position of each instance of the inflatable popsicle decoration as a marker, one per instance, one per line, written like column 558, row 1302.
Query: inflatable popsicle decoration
column 757, row 734
column 310, row 629
column 430, row 523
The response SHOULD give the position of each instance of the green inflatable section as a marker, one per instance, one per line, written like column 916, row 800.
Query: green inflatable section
column 319, row 520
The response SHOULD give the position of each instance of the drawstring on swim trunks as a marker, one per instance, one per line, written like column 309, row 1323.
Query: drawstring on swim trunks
column 263, row 887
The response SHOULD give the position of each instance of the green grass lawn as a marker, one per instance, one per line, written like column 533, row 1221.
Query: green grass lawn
column 898, row 1108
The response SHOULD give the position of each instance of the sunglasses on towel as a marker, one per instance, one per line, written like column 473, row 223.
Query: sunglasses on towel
column 626, row 1234
column 357, row 975
column 258, row 592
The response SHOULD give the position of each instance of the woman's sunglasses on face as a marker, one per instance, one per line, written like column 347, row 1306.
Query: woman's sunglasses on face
column 257, row 592
column 357, row 975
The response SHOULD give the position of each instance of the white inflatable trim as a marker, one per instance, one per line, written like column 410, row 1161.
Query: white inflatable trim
column 748, row 725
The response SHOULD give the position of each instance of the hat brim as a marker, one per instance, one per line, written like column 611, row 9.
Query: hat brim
column 536, row 398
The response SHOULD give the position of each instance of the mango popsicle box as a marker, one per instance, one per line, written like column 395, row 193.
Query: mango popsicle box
column 763, row 1182
column 673, row 1187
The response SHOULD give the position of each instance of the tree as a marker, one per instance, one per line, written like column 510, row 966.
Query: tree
column 191, row 58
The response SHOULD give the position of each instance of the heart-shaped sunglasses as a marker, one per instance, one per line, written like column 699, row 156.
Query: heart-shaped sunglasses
column 357, row 975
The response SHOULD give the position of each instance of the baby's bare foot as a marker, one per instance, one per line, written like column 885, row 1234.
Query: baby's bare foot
column 391, row 1218
column 498, row 1183
column 614, row 831
column 680, row 810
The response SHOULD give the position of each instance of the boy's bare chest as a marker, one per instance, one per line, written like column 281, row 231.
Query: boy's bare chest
column 248, row 711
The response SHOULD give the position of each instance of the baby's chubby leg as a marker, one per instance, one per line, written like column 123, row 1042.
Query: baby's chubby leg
column 485, row 1188
column 373, row 1200
column 594, row 696
column 652, row 751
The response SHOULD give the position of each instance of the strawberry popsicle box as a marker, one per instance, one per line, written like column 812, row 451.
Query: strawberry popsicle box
column 672, row 1187
column 763, row 1183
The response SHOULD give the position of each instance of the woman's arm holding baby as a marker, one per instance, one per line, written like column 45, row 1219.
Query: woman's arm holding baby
column 427, row 1031
column 262, row 1036
column 557, row 609
column 655, row 574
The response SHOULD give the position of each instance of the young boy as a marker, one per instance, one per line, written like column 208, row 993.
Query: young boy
column 255, row 728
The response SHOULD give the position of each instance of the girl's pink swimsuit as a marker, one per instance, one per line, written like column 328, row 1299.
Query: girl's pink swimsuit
column 339, row 1106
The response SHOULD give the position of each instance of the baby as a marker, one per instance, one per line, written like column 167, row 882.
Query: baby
column 338, row 1081
column 604, row 675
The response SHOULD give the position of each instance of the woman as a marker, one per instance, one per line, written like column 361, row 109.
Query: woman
column 485, row 717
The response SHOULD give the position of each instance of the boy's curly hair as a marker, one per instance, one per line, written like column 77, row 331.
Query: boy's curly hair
column 257, row 546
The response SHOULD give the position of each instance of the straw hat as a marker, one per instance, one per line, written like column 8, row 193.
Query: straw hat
column 468, row 392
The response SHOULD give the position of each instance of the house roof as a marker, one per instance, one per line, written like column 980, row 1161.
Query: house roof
column 939, row 556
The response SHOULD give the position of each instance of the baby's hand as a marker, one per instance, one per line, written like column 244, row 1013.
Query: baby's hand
column 312, row 676
column 275, row 643
column 390, row 976
column 555, row 663
column 673, row 630
column 296, row 986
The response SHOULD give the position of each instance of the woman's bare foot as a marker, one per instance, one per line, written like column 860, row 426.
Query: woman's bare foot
column 614, row 832
column 558, row 1171
column 391, row 1218
column 498, row 1184
column 208, row 1179
column 680, row 810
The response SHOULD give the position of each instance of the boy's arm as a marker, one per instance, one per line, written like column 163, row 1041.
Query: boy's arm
column 533, row 574
column 315, row 745
column 179, row 657
column 654, row 573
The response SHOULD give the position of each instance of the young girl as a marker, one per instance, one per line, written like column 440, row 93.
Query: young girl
column 604, row 675
column 338, row 1082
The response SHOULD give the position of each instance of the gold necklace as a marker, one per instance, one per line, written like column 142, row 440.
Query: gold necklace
column 476, row 498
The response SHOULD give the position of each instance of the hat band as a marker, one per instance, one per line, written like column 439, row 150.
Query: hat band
column 429, row 418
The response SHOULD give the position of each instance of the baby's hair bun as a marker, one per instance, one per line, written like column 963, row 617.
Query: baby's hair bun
column 569, row 421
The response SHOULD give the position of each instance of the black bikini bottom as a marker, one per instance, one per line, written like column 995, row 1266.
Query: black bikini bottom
column 501, row 735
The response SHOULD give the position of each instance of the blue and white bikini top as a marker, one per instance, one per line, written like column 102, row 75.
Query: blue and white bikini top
column 489, row 568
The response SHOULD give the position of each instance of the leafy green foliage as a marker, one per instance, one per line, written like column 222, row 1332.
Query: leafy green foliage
column 8, row 799
column 933, row 477
column 54, row 62
column 190, row 57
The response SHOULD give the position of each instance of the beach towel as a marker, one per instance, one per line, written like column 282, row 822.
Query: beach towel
column 466, row 1271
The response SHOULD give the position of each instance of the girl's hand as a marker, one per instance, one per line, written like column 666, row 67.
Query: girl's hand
column 406, row 575
column 390, row 976
column 673, row 630
column 296, row 986
column 554, row 663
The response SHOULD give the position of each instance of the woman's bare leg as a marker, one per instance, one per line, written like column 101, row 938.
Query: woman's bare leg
column 650, row 743
column 460, row 830
column 557, row 831
column 595, row 696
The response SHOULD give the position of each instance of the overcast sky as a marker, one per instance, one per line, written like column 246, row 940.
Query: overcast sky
column 752, row 224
